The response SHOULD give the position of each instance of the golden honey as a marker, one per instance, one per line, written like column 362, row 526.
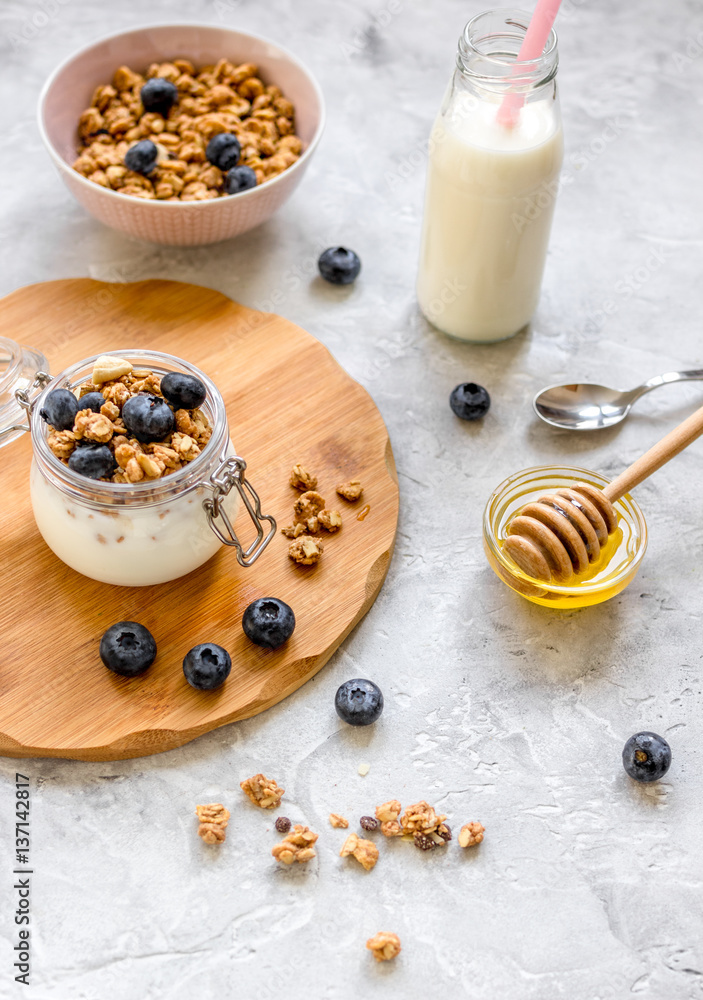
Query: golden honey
column 619, row 560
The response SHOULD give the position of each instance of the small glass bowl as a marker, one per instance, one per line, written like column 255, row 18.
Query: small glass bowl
column 614, row 570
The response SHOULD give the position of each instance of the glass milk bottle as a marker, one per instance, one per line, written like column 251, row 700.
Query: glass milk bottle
column 491, row 187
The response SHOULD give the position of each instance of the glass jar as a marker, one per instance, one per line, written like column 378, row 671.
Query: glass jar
column 153, row 531
column 620, row 558
column 18, row 367
column 491, row 187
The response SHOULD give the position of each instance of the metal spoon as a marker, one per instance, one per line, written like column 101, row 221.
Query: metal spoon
column 586, row 406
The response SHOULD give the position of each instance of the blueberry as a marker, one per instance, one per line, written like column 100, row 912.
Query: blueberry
column 91, row 401
column 268, row 622
column 183, row 392
column 60, row 409
column 470, row 401
column 646, row 757
column 206, row 666
column 223, row 150
column 358, row 702
column 141, row 157
column 159, row 95
column 339, row 265
column 148, row 418
column 92, row 460
column 239, row 179
column 128, row 648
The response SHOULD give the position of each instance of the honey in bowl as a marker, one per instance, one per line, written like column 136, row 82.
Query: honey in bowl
column 616, row 566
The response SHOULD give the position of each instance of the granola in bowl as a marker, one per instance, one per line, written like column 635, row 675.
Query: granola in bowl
column 174, row 129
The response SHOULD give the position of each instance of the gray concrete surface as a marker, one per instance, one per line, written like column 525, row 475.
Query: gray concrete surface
column 586, row 887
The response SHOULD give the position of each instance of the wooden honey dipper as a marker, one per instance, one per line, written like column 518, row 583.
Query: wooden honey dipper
column 562, row 533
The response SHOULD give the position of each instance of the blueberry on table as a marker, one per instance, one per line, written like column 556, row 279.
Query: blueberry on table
column 339, row 265
column 646, row 757
column 206, row 666
column 148, row 418
column 141, row 157
column 183, row 392
column 358, row 702
column 60, row 409
column 470, row 401
column 92, row 460
column 223, row 150
column 128, row 649
column 239, row 179
column 159, row 95
column 91, row 401
column 268, row 622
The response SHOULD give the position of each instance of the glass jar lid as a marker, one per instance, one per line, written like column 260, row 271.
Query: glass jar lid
column 18, row 369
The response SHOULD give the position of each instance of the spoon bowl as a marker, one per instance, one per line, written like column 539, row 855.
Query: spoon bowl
column 587, row 406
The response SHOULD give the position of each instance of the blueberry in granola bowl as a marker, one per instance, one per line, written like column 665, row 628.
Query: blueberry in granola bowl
column 268, row 622
column 60, row 409
column 141, row 157
column 148, row 418
column 128, row 648
column 223, row 150
column 95, row 461
column 183, row 392
column 206, row 666
column 239, row 179
column 92, row 401
column 159, row 95
column 359, row 702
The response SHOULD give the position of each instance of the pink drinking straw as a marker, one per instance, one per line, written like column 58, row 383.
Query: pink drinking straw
column 532, row 48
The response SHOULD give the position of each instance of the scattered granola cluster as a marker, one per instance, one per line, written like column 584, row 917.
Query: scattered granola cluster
column 339, row 822
column 422, row 823
column 470, row 834
column 263, row 792
column 295, row 846
column 311, row 514
column 384, row 946
column 213, row 822
column 223, row 98
column 365, row 851
column 133, row 460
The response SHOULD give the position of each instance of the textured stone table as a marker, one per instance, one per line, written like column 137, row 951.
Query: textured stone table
column 586, row 885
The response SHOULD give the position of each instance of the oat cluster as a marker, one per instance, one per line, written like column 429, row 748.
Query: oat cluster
column 211, row 100
column 263, row 791
column 384, row 946
column 310, row 515
column 339, row 822
column 470, row 834
column 365, row 851
column 295, row 846
column 135, row 461
column 213, row 822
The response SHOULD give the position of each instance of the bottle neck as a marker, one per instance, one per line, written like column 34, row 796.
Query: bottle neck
column 487, row 54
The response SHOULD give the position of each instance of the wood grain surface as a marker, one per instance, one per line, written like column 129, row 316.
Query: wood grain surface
column 287, row 400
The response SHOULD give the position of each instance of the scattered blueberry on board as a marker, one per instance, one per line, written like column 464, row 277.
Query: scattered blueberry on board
column 128, row 649
column 141, row 157
column 159, row 95
column 148, row 418
column 239, row 179
column 223, row 151
column 268, row 622
column 183, row 392
column 92, row 460
column 60, row 409
column 91, row 401
column 206, row 666
column 646, row 757
column 470, row 401
column 358, row 702
column 338, row 265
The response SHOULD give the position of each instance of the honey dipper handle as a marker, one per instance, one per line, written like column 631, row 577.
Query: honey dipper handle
column 674, row 442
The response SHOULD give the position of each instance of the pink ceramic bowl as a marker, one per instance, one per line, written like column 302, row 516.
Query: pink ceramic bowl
column 68, row 92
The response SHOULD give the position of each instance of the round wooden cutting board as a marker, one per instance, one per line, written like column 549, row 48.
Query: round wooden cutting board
column 287, row 401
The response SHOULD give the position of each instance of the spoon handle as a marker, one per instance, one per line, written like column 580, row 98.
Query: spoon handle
column 666, row 378
column 674, row 442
